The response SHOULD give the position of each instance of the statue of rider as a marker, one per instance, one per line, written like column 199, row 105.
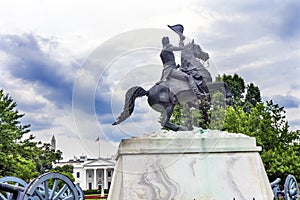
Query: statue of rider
column 169, row 64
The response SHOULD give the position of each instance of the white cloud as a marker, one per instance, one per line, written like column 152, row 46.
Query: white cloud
column 250, row 38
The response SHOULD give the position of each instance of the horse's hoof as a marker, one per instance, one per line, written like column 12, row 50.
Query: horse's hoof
column 183, row 128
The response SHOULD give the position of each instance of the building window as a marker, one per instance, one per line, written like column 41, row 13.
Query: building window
column 109, row 173
column 78, row 174
column 90, row 185
column 90, row 174
column 99, row 173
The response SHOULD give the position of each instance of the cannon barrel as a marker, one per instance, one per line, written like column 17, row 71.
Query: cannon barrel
column 11, row 188
column 275, row 182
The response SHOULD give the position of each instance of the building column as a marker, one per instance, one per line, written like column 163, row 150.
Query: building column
column 95, row 179
column 105, row 178
column 84, row 180
column 102, row 183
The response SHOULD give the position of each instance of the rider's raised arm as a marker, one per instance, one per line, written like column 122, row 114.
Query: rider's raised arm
column 170, row 47
column 180, row 47
column 181, row 43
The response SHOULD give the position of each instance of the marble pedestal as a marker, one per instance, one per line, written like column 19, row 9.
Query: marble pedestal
column 190, row 165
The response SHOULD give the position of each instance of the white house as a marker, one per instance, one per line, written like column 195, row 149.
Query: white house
column 92, row 173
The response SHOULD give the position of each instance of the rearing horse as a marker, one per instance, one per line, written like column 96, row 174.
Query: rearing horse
column 164, row 96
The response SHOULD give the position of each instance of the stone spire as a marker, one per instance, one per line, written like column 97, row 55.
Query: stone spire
column 53, row 143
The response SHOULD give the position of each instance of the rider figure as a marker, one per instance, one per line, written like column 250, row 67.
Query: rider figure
column 170, row 67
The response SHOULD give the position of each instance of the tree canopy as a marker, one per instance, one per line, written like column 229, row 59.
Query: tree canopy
column 21, row 156
column 266, row 121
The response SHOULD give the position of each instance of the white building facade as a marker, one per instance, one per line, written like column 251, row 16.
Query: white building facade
column 92, row 173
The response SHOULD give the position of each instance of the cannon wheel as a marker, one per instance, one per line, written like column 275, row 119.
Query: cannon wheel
column 13, row 181
column 51, row 186
column 80, row 192
column 291, row 189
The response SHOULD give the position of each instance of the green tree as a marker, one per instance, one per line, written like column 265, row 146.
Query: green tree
column 21, row 157
column 46, row 157
column 66, row 170
column 246, row 96
column 11, row 132
column 182, row 115
column 237, row 87
column 252, row 97
column 217, row 111
column 253, row 94
column 25, row 169
column 249, row 115
column 267, row 123
column 190, row 115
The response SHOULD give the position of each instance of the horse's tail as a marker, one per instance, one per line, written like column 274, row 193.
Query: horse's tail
column 130, row 97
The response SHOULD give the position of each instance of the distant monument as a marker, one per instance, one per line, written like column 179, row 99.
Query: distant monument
column 53, row 143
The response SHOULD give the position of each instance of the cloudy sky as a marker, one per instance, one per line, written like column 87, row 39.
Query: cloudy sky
column 68, row 64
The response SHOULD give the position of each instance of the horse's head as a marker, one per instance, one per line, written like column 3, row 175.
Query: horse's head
column 198, row 53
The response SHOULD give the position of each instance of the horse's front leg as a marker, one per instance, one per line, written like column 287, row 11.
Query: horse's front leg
column 166, row 115
column 165, row 122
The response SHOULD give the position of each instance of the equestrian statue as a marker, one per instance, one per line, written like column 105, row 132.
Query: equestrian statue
column 185, row 83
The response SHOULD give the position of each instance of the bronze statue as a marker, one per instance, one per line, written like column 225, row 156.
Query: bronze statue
column 187, row 84
column 170, row 67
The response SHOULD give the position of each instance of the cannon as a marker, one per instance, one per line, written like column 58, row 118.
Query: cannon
column 50, row 185
column 290, row 191
column 12, row 186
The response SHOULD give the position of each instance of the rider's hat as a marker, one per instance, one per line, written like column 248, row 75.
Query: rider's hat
column 178, row 28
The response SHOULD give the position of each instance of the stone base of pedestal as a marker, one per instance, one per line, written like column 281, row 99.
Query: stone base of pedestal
column 190, row 165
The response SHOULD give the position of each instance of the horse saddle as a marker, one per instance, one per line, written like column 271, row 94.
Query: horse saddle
column 175, row 85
